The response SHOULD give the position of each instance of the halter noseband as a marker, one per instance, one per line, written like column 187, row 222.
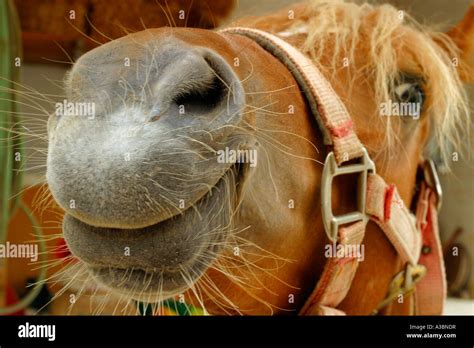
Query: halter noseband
column 377, row 201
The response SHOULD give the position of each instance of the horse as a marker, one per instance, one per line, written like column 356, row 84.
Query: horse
column 161, row 196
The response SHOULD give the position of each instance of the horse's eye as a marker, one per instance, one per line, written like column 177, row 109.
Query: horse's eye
column 410, row 92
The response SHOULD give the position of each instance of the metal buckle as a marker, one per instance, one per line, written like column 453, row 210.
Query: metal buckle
column 403, row 284
column 432, row 180
column 331, row 169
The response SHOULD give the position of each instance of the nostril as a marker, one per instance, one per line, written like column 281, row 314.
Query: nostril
column 198, row 83
column 203, row 98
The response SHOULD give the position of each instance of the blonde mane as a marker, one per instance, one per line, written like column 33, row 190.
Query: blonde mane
column 343, row 27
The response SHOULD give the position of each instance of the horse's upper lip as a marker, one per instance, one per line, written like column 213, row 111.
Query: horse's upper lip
column 241, row 172
column 151, row 224
column 172, row 215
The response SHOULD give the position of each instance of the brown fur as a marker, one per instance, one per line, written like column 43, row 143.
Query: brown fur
column 281, row 249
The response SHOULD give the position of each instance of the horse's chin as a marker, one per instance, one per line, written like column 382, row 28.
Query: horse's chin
column 125, row 282
column 159, row 261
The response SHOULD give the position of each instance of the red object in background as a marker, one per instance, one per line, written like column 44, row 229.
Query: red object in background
column 62, row 251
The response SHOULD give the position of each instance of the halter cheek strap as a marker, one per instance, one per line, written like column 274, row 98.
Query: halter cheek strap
column 376, row 201
column 330, row 113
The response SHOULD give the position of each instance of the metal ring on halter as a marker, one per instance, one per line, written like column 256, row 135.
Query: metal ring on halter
column 403, row 283
column 331, row 170
column 432, row 180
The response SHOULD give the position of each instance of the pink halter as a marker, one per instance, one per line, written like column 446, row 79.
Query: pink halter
column 377, row 201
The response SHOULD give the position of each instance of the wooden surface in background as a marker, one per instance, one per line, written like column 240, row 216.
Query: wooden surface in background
column 80, row 25
column 20, row 231
column 18, row 271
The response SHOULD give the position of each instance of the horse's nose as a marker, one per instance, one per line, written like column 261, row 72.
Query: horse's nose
column 196, row 82
column 151, row 151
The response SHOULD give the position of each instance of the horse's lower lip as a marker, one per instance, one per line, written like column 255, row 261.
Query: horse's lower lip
column 159, row 254
column 158, row 285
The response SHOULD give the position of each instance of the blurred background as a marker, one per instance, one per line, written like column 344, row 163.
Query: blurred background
column 49, row 35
